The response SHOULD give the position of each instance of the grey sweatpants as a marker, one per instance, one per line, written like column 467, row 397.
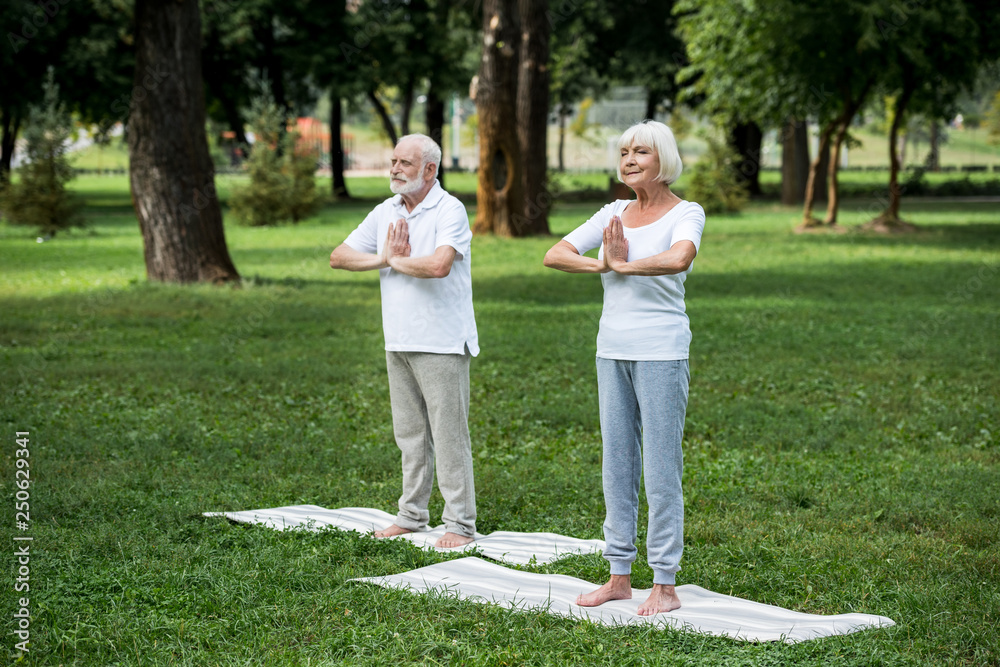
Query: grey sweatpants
column 429, row 394
column 643, row 404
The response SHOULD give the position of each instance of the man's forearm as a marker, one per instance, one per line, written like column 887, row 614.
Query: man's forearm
column 349, row 259
column 430, row 266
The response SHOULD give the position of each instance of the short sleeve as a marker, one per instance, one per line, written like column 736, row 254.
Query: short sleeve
column 590, row 234
column 365, row 237
column 453, row 228
column 690, row 226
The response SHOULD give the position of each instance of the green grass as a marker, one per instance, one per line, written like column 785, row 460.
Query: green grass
column 841, row 445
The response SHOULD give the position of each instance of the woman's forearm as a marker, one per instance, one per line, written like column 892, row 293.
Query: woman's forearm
column 670, row 262
column 564, row 257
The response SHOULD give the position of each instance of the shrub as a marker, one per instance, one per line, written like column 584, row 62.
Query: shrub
column 38, row 196
column 714, row 181
column 282, row 177
column 299, row 167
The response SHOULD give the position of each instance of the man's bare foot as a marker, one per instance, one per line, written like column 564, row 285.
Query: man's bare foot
column 452, row 540
column 662, row 599
column 392, row 531
column 619, row 587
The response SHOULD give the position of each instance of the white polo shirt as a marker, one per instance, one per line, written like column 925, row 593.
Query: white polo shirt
column 425, row 314
column 643, row 317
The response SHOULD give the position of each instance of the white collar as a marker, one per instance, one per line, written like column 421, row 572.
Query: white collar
column 430, row 200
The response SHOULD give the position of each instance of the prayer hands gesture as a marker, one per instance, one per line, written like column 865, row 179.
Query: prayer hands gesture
column 397, row 241
column 615, row 245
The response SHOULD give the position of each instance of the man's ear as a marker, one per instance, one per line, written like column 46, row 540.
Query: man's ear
column 430, row 171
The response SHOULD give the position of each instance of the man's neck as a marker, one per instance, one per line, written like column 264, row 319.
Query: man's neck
column 412, row 200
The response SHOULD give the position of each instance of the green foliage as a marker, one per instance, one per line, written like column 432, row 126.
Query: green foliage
column 714, row 181
column 39, row 196
column 282, row 175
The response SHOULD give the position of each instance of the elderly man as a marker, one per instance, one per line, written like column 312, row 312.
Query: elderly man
column 420, row 241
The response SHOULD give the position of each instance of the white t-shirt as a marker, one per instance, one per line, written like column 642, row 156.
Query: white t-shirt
column 424, row 314
column 643, row 317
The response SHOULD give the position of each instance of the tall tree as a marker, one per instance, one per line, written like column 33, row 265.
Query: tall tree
column 578, row 59
column 451, row 74
column 823, row 68
column 89, row 46
column 499, row 194
column 401, row 48
column 171, row 173
column 332, row 62
column 533, row 116
column 647, row 49
column 933, row 50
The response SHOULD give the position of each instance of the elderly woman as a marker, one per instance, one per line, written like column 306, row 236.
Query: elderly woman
column 647, row 247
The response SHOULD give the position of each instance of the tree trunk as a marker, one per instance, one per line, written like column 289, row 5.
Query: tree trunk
column 11, row 126
column 562, row 138
column 234, row 120
column 934, row 155
column 833, row 185
column 533, row 115
column 794, row 161
column 891, row 215
column 651, row 101
column 383, row 115
column 271, row 64
column 434, row 116
column 822, row 173
column 851, row 106
column 814, row 183
column 406, row 107
column 170, row 170
column 499, row 196
column 747, row 138
column 337, row 148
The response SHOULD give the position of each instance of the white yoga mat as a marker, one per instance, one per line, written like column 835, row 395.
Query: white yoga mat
column 509, row 547
column 701, row 610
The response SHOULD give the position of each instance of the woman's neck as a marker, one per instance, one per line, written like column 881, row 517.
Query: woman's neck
column 655, row 197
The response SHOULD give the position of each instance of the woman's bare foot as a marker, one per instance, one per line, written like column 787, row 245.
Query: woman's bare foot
column 619, row 587
column 392, row 531
column 662, row 599
column 452, row 540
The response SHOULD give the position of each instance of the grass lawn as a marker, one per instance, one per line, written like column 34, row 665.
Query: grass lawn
column 842, row 444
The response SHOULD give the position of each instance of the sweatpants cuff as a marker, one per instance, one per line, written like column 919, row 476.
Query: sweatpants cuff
column 461, row 530
column 621, row 567
column 410, row 524
column 664, row 578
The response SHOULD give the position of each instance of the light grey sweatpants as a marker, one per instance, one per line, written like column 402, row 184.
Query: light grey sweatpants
column 643, row 404
column 429, row 394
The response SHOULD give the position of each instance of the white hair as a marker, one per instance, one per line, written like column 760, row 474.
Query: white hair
column 430, row 152
column 657, row 136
